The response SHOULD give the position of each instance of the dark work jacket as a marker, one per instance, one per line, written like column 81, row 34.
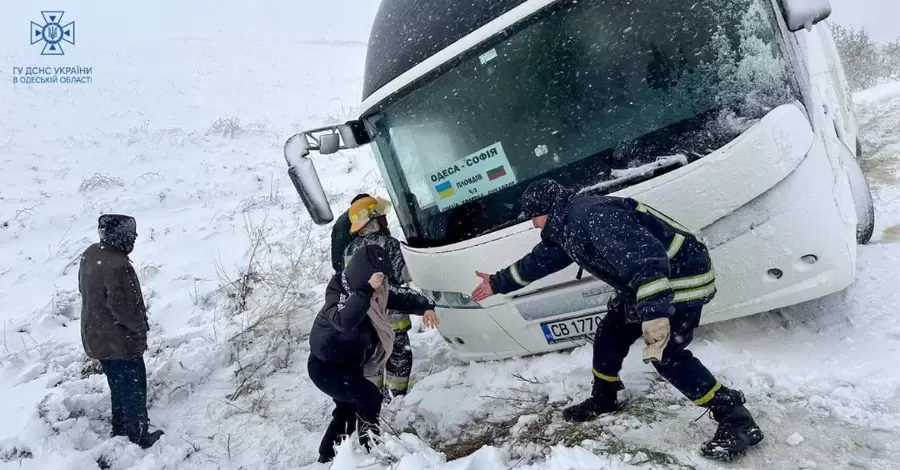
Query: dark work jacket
column 397, row 273
column 342, row 332
column 340, row 239
column 651, row 260
column 113, row 317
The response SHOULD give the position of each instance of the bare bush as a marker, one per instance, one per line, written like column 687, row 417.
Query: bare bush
column 229, row 127
column 149, row 176
column 342, row 114
column 101, row 181
column 275, row 199
column 232, row 128
column 15, row 451
column 270, row 296
column 148, row 270
column 529, row 425
column 138, row 134
column 63, row 303
column 866, row 62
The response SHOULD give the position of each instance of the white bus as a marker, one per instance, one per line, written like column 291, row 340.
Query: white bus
column 731, row 116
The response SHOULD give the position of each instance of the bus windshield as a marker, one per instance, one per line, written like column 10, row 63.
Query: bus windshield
column 582, row 92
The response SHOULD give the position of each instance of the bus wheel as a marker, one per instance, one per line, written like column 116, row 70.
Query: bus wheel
column 866, row 228
column 865, row 207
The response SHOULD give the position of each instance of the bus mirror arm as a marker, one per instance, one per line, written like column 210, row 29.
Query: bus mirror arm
column 325, row 140
column 306, row 180
column 800, row 14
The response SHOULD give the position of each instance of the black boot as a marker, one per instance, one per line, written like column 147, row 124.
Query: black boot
column 343, row 422
column 602, row 400
column 148, row 440
column 737, row 431
column 332, row 437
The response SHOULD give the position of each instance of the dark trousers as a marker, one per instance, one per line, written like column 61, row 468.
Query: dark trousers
column 614, row 337
column 399, row 364
column 355, row 398
column 128, row 394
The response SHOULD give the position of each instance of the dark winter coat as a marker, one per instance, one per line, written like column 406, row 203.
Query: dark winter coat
column 342, row 332
column 340, row 238
column 651, row 260
column 113, row 317
column 397, row 273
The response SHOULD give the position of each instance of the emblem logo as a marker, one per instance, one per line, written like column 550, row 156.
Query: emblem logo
column 52, row 33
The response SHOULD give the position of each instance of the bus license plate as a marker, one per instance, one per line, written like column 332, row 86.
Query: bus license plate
column 572, row 328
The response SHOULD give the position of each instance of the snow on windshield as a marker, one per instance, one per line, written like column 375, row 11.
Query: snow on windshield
column 751, row 79
column 628, row 174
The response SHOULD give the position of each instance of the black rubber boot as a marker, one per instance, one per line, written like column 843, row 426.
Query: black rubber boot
column 737, row 430
column 343, row 423
column 148, row 440
column 332, row 437
column 602, row 400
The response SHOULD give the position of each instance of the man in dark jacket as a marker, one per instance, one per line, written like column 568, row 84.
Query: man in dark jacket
column 663, row 276
column 344, row 339
column 114, row 325
column 341, row 237
column 368, row 225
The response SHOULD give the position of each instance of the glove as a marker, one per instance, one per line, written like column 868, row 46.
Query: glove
column 620, row 304
column 656, row 337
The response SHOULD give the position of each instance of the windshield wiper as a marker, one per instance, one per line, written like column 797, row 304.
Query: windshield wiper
column 621, row 178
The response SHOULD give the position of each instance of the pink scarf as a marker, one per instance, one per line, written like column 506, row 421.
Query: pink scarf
column 379, row 317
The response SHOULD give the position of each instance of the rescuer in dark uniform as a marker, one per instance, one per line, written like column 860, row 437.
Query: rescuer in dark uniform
column 341, row 237
column 663, row 276
column 368, row 226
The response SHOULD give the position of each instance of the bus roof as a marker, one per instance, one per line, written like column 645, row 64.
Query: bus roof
column 406, row 32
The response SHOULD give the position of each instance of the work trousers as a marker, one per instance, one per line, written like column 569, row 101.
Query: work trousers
column 615, row 336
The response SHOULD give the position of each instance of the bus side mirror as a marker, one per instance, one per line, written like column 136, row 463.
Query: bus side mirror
column 800, row 14
column 329, row 143
column 325, row 140
column 306, row 180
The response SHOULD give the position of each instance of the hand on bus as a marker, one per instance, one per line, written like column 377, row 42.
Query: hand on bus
column 430, row 319
column 484, row 289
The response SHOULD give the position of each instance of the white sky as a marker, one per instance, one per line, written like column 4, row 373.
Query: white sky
column 880, row 17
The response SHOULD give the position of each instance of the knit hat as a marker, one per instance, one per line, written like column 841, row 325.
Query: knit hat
column 118, row 231
column 365, row 209
column 539, row 197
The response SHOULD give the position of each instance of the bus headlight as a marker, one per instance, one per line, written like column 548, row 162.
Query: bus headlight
column 452, row 299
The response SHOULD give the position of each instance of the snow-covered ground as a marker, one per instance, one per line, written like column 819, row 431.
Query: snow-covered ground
column 182, row 127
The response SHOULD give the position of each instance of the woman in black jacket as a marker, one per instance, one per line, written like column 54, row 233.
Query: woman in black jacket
column 351, row 338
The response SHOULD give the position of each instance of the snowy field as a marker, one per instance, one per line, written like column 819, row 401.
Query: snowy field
column 183, row 126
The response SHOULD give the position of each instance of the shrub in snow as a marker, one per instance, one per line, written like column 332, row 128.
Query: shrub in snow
column 100, row 181
column 866, row 63
column 269, row 298
column 148, row 270
column 276, row 199
column 13, row 449
column 232, row 128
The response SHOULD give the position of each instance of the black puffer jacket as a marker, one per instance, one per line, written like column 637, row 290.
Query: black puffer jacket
column 342, row 332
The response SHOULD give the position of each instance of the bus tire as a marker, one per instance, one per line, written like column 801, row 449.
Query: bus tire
column 865, row 226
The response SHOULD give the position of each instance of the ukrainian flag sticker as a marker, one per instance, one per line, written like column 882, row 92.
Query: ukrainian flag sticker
column 445, row 189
